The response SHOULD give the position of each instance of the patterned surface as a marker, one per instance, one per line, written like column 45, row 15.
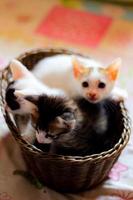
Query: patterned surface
column 105, row 32
column 77, row 27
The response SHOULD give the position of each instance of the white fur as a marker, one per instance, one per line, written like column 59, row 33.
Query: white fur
column 57, row 71
column 119, row 94
column 28, row 132
column 28, row 84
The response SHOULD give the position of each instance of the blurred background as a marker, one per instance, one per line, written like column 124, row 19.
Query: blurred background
column 101, row 29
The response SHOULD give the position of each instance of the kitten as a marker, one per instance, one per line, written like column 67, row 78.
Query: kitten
column 84, row 77
column 97, row 133
column 25, row 84
column 94, row 130
column 53, row 116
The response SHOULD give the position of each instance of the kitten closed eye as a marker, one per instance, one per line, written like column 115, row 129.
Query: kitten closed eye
column 62, row 124
column 67, row 116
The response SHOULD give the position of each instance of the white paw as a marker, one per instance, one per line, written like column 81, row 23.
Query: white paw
column 119, row 95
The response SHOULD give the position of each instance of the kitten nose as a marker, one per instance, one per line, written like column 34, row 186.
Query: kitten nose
column 92, row 94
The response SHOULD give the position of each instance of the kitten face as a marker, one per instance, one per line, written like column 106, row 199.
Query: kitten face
column 56, row 127
column 95, row 83
column 53, row 116
column 62, row 124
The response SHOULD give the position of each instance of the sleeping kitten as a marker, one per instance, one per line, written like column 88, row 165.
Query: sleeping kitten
column 53, row 116
column 95, row 126
column 97, row 133
column 79, row 76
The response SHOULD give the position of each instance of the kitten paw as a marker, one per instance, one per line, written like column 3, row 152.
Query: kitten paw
column 119, row 95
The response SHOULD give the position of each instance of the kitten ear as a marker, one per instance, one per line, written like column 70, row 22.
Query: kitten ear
column 78, row 69
column 26, row 105
column 32, row 99
column 18, row 70
column 113, row 69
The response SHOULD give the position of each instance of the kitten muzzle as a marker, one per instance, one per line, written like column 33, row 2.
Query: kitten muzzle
column 42, row 137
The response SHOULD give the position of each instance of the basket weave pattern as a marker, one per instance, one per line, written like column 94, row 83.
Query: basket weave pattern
column 63, row 173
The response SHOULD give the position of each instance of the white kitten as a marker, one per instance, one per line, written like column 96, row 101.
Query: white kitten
column 81, row 76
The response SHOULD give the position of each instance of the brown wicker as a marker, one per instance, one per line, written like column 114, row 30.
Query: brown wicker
column 63, row 173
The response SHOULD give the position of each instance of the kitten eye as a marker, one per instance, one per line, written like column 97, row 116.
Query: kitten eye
column 85, row 84
column 101, row 85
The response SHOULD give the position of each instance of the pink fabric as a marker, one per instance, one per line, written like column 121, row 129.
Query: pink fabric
column 77, row 27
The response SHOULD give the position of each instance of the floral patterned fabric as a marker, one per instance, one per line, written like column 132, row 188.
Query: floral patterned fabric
column 104, row 31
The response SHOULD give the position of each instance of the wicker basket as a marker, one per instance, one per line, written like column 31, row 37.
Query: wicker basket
column 63, row 173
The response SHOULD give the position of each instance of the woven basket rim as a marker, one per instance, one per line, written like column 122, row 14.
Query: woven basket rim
column 32, row 149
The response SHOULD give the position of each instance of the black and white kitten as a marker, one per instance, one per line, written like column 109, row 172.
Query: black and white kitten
column 52, row 117
column 25, row 84
column 94, row 129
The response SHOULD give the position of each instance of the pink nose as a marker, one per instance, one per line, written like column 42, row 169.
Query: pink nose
column 92, row 95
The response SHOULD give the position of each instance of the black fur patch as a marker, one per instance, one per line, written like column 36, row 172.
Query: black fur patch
column 49, row 108
column 11, row 99
column 85, row 139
